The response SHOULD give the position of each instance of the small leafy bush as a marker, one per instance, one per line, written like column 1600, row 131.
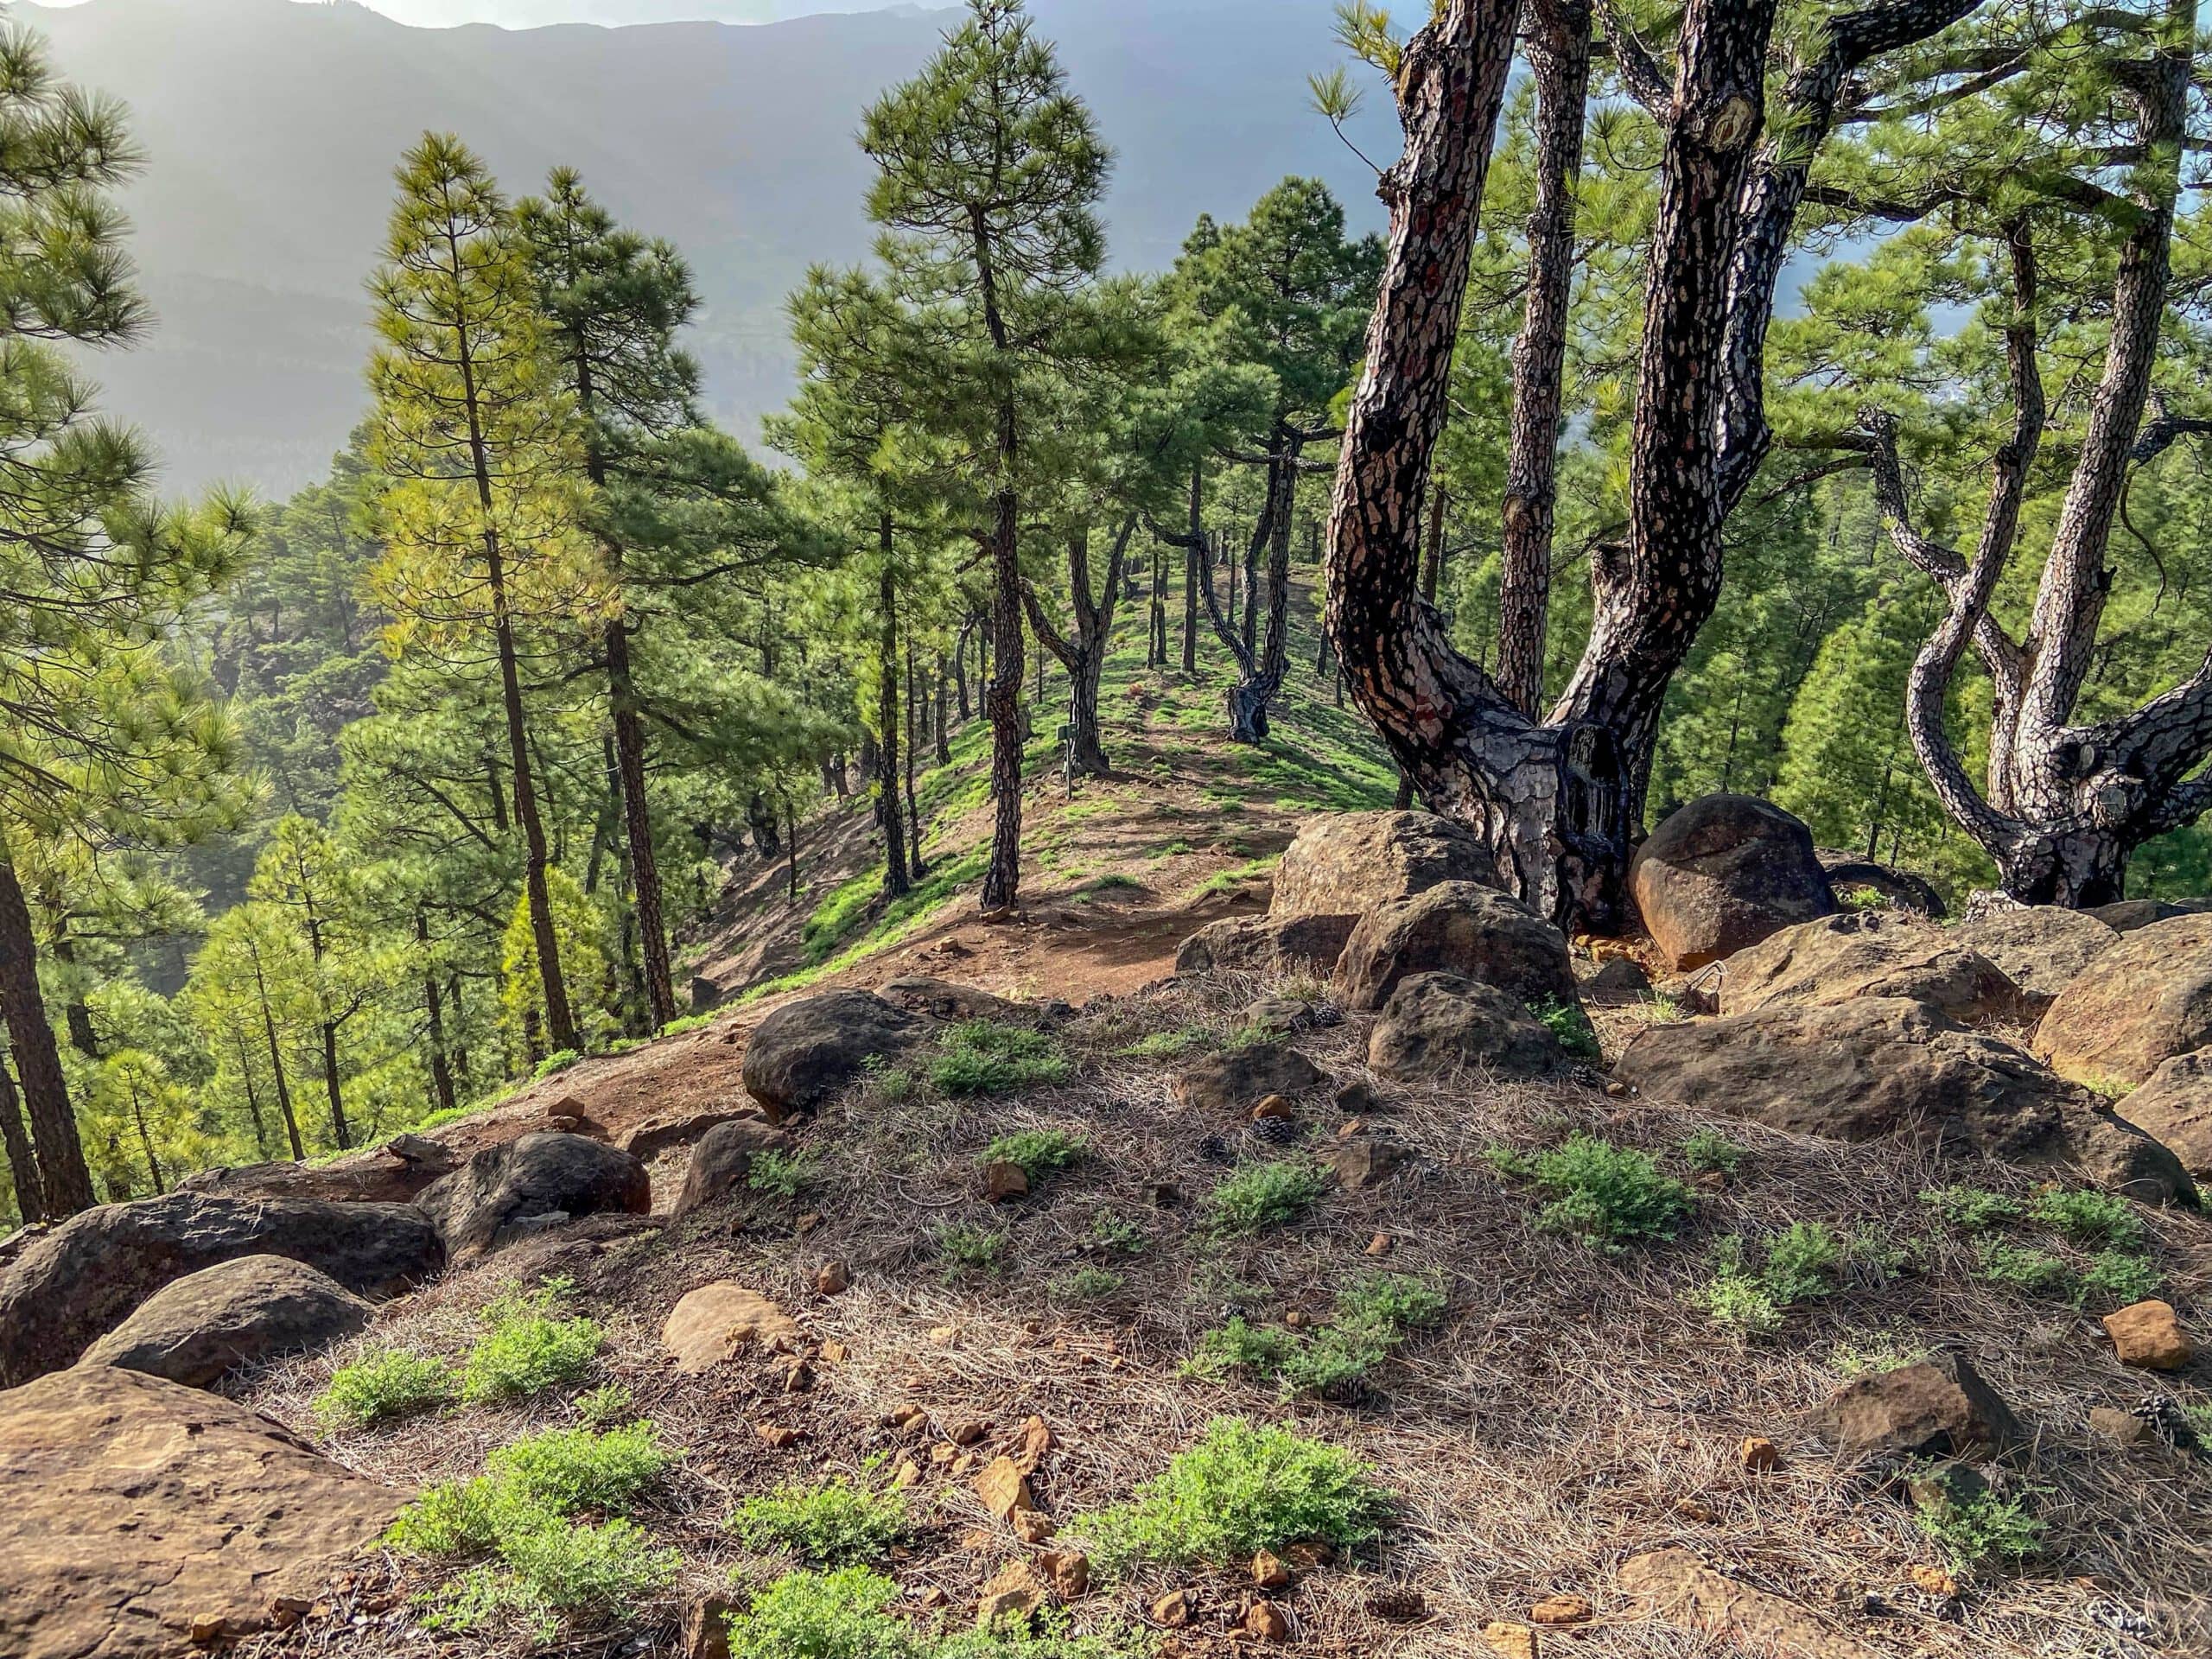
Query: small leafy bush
column 1088, row 1285
column 605, row 1405
column 2089, row 1218
column 1260, row 1196
column 1567, row 1022
column 780, row 1174
column 393, row 1383
column 833, row 1523
column 1259, row 1350
column 1244, row 1487
column 1168, row 1045
column 1801, row 1264
column 559, row 1060
column 2117, row 1277
column 1709, row 1150
column 553, row 1569
column 1604, row 1195
column 1036, row 1153
column 986, row 1056
column 969, row 1248
column 1117, row 1234
column 527, row 1348
column 1971, row 1208
column 1983, row 1530
column 2017, row 1267
column 841, row 1615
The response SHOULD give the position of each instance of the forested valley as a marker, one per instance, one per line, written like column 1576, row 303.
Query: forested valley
column 325, row 817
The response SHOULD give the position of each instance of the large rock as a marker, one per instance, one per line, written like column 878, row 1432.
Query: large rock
column 2041, row 948
column 199, row 1329
column 665, row 1131
column 1233, row 1080
column 1883, row 953
column 84, row 1277
column 134, row 1511
column 1685, row 1591
column 2143, row 1000
column 2116, row 1153
column 1723, row 873
column 506, row 1193
column 395, row 1173
column 719, row 1321
column 1849, row 875
column 1856, row 1071
column 1456, row 927
column 723, row 1159
column 2175, row 1107
column 2126, row 915
column 1937, row 1406
column 1266, row 944
column 1348, row 862
column 949, row 1000
column 806, row 1051
column 1437, row 1025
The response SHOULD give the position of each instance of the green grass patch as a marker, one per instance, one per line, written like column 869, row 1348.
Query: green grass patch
column 1260, row 1196
column 527, row 1347
column 1567, row 1022
column 1606, row 1195
column 831, row 1523
column 1036, row 1153
column 1373, row 1318
column 1168, row 1045
column 965, row 1248
column 988, row 1056
column 384, row 1387
column 1244, row 1487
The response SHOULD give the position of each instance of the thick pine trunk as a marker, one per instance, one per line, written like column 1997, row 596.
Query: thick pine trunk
column 340, row 1130
column 65, row 1182
column 23, row 1162
column 637, row 824
column 889, row 817
column 1003, row 702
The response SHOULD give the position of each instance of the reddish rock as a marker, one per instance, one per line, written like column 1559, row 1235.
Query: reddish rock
column 2149, row 1335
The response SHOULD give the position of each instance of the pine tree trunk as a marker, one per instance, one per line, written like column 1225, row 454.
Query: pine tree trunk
column 146, row 1143
column 1002, row 699
column 1558, row 54
column 889, row 815
column 1189, row 610
column 944, row 726
column 637, row 824
column 23, row 1162
column 339, row 1130
column 65, row 1182
column 277, row 1064
column 917, row 710
column 434, row 1014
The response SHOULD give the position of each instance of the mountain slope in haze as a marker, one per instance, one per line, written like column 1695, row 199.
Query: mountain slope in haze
column 272, row 129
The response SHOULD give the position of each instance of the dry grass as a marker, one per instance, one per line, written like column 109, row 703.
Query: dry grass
column 1546, row 1431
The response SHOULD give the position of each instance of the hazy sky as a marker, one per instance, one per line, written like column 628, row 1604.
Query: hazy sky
column 526, row 14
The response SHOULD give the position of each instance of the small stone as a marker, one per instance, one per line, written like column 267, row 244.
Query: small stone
column 945, row 1335
column 966, row 1433
column 1272, row 1106
column 834, row 1353
column 1357, row 1099
column 1510, row 1640
column 1561, row 1610
column 913, row 1419
column 1268, row 1622
column 906, row 1476
column 2147, row 1334
column 1011, row 1597
column 1365, row 1162
column 1296, row 1318
column 965, row 1463
column 705, row 1627
column 208, row 1629
column 1760, row 1455
column 1172, row 1610
column 943, row 1452
column 1270, row 1570
column 1033, row 1526
column 934, row 1597
column 1004, row 1489
column 1397, row 1604
column 777, row 1435
column 833, row 1278
column 1306, row 1557
column 800, row 1379
column 1069, row 1571
column 1934, row 1581
column 1696, row 1509
column 1003, row 1180
column 1381, row 1244
column 1036, row 1441
column 807, row 1223
column 2120, row 1427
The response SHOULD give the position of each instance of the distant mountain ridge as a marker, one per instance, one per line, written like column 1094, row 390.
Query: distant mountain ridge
column 272, row 129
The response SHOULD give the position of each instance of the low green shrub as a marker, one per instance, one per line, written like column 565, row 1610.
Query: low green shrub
column 1798, row 1265
column 2088, row 1217
column 1709, row 1150
column 1260, row 1196
column 1604, row 1195
column 1168, row 1045
column 1984, row 1530
column 831, row 1523
column 2116, row 1278
column 1036, row 1153
column 1088, row 1285
column 393, row 1383
column 2017, row 1267
column 1971, row 1208
column 848, row 1614
column 1244, row 1487
column 780, row 1174
column 605, row 1405
column 1566, row 1020
column 967, row 1247
column 527, row 1348
column 987, row 1057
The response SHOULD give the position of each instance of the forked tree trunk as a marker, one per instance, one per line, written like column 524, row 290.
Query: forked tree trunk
column 1084, row 653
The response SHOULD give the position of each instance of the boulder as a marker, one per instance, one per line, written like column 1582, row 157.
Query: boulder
column 1856, row 1071
column 1849, row 874
column 1456, row 927
column 719, row 1321
column 1620, row 979
column 1266, row 944
column 943, row 998
column 199, row 1329
column 2040, row 948
column 2115, row 1153
column 1723, row 873
column 2129, row 914
column 1883, row 953
column 392, row 1173
column 1347, row 863
column 806, row 1051
column 1365, row 1160
column 723, row 1159
column 506, row 1193
column 2175, row 1107
column 87, row 1276
column 1683, row 1591
column 2149, row 1335
column 668, row 1130
column 1937, row 1406
column 135, row 1512
column 1437, row 1025
column 1231, row 1081
column 2143, row 1000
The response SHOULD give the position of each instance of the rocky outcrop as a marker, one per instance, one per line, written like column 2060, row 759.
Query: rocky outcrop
column 1855, row 1070
column 1346, row 863
column 1231, row 1081
column 87, row 1276
column 807, row 1051
column 1437, row 1025
column 2142, row 1001
column 946, row 999
column 1266, row 944
column 507, row 1193
column 1937, row 1406
column 2040, row 948
column 392, row 1173
column 2128, row 914
column 2175, row 1107
column 1722, row 873
column 1850, row 875
column 723, row 1159
column 141, row 1518
column 666, row 1131
column 719, row 1321
column 2112, row 1151
column 199, row 1329
column 1877, row 953
column 1458, row 928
